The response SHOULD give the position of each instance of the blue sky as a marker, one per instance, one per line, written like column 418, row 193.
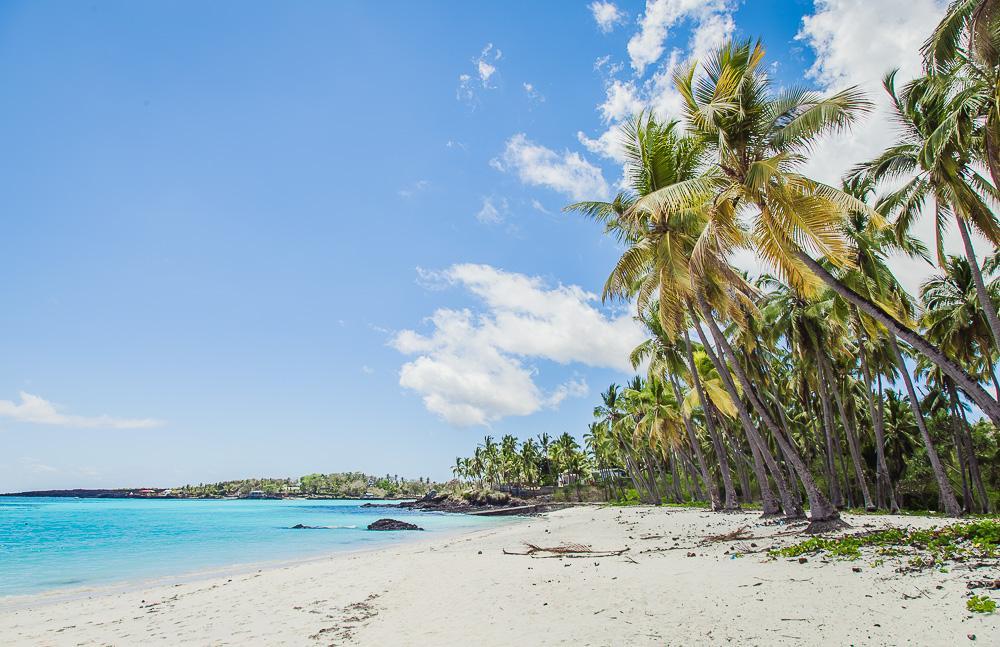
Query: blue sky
column 228, row 225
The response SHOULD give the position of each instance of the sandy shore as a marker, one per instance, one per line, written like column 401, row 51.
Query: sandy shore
column 464, row 590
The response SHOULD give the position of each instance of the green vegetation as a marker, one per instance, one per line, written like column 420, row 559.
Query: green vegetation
column 339, row 485
column 980, row 604
column 825, row 385
column 932, row 547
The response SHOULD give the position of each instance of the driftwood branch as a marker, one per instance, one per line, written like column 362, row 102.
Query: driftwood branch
column 741, row 533
column 565, row 550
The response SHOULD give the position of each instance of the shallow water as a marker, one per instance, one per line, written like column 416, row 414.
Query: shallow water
column 57, row 543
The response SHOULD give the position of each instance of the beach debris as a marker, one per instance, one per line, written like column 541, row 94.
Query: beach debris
column 983, row 584
column 392, row 524
column 741, row 533
column 565, row 550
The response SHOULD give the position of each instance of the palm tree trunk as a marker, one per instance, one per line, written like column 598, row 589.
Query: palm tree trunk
column 770, row 503
column 831, row 449
column 694, row 487
column 761, row 452
column 783, row 421
column 706, row 477
column 821, row 513
column 989, row 405
column 742, row 462
column 886, row 498
column 951, row 507
column 849, row 431
column 713, row 419
column 970, row 450
column 963, row 463
column 881, row 417
column 985, row 301
column 629, row 466
column 675, row 478
column 727, row 481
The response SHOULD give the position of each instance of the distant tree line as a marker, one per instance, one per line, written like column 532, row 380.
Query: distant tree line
column 334, row 485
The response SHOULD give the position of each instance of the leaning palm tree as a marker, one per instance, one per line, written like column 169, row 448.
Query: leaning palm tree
column 935, row 153
column 954, row 316
column 660, row 260
column 967, row 42
column 759, row 140
column 871, row 276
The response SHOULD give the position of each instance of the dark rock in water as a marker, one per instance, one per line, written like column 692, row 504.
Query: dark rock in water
column 300, row 526
column 392, row 524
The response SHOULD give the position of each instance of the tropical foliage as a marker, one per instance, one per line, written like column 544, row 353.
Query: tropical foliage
column 824, row 384
column 336, row 485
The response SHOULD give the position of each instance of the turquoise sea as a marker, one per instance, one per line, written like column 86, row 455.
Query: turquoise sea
column 64, row 543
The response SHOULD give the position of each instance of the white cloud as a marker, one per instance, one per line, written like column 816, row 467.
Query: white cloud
column 485, row 72
column 608, row 144
column 711, row 24
column 572, row 389
column 493, row 211
column 471, row 368
column 465, row 92
column 533, row 93
column 622, row 100
column 606, row 67
column 35, row 409
column 607, row 15
column 538, row 206
column 485, row 67
column 568, row 172
column 649, row 43
column 367, row 370
column 414, row 188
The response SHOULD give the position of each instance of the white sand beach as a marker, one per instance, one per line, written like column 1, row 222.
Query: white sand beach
column 464, row 590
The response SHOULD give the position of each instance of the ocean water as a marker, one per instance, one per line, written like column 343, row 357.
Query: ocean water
column 62, row 543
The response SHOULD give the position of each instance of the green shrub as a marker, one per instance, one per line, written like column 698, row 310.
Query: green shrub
column 631, row 497
column 980, row 604
column 979, row 538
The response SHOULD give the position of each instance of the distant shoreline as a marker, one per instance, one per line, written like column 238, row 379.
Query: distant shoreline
column 133, row 493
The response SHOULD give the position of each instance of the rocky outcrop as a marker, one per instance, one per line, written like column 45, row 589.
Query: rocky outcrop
column 470, row 502
column 392, row 524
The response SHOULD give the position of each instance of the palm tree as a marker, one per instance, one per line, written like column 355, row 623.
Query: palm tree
column 460, row 469
column 936, row 152
column 951, row 506
column 871, row 276
column 665, row 359
column 954, row 316
column 759, row 140
column 975, row 22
